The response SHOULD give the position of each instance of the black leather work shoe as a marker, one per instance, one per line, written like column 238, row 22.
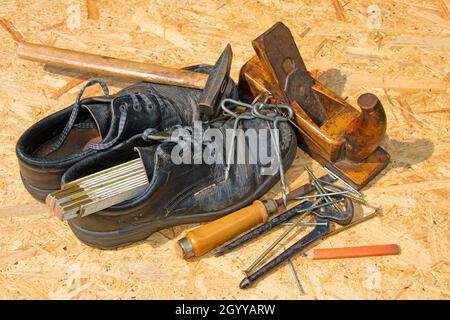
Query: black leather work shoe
column 179, row 193
column 94, row 125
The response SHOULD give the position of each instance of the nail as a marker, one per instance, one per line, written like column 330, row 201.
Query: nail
column 296, row 279
column 283, row 235
column 331, row 173
column 306, row 224
column 322, row 195
column 320, row 189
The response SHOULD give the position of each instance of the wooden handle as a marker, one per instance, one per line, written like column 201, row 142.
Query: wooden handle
column 209, row 236
column 353, row 252
column 364, row 133
column 110, row 66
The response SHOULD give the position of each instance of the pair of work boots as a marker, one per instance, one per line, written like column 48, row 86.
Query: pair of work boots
column 100, row 132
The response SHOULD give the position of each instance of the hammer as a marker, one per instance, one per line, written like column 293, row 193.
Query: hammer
column 214, row 85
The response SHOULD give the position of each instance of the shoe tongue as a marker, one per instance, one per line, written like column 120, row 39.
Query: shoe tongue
column 100, row 112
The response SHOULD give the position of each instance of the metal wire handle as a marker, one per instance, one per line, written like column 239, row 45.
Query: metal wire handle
column 256, row 111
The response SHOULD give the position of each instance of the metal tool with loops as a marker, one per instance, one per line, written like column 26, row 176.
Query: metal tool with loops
column 256, row 111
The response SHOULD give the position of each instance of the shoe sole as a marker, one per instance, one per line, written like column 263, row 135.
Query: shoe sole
column 37, row 193
column 134, row 233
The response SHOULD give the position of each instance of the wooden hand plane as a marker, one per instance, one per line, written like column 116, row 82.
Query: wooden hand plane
column 340, row 137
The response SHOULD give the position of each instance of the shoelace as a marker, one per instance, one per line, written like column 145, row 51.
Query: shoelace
column 256, row 108
column 122, row 119
column 151, row 134
column 184, row 141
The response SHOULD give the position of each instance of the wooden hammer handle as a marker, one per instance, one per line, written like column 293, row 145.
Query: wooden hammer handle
column 353, row 252
column 92, row 63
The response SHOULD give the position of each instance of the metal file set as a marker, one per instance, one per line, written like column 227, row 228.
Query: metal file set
column 344, row 140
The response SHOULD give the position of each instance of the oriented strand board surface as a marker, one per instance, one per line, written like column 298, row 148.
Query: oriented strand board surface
column 405, row 63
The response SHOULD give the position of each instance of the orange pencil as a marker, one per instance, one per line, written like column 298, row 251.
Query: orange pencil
column 353, row 252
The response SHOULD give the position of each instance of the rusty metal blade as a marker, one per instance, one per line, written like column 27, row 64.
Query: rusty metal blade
column 216, row 83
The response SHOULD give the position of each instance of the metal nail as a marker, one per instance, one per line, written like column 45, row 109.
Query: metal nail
column 320, row 189
column 296, row 279
column 306, row 224
column 322, row 195
column 331, row 173
column 278, row 240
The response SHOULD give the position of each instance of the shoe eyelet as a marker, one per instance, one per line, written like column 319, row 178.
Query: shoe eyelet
column 137, row 107
column 123, row 107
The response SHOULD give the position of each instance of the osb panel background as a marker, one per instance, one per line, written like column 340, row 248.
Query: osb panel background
column 405, row 63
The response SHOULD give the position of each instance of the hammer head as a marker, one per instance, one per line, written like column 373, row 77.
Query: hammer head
column 216, row 84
